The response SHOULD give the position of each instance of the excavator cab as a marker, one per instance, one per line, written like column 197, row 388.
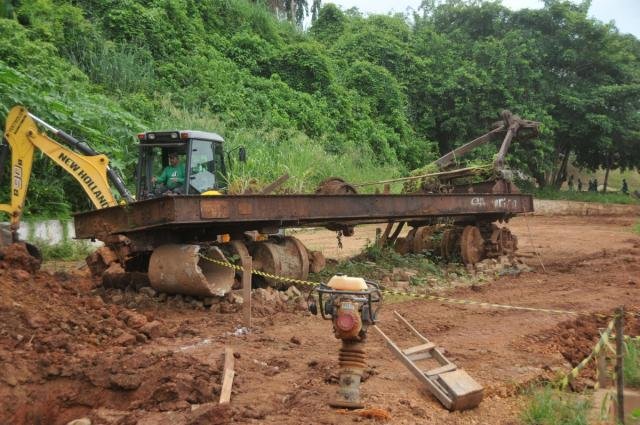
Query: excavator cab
column 200, row 166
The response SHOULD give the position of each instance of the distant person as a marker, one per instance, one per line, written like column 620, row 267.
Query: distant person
column 595, row 185
column 579, row 185
column 625, row 187
column 172, row 177
column 590, row 185
column 570, row 183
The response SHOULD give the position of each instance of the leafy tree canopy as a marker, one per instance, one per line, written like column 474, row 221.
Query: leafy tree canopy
column 373, row 96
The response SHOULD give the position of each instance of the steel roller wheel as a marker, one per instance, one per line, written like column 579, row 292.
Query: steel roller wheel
column 287, row 258
column 404, row 245
column 506, row 242
column 337, row 186
column 449, row 244
column 423, row 238
column 471, row 245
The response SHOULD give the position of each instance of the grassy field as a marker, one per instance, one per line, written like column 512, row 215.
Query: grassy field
column 615, row 178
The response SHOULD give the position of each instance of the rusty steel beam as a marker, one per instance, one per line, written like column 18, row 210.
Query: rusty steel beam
column 182, row 218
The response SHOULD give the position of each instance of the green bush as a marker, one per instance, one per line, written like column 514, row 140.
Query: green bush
column 68, row 250
column 548, row 406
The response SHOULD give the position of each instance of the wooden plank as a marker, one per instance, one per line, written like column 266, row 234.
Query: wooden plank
column 434, row 387
column 227, row 377
column 442, row 369
column 420, row 356
column 419, row 348
column 246, row 262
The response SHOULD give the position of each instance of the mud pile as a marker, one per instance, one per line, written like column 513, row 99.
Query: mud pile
column 575, row 339
column 70, row 348
column 63, row 351
column 15, row 257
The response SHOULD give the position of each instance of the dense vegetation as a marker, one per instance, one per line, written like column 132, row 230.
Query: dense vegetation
column 361, row 97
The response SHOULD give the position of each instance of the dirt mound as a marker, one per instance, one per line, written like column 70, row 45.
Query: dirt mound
column 17, row 257
column 54, row 332
column 127, row 384
column 575, row 339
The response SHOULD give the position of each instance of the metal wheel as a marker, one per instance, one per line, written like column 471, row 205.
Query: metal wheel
column 506, row 242
column 337, row 186
column 423, row 238
column 471, row 245
column 449, row 244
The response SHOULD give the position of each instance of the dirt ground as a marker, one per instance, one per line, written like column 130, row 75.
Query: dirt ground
column 70, row 348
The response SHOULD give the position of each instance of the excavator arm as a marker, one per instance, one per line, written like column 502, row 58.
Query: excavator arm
column 90, row 169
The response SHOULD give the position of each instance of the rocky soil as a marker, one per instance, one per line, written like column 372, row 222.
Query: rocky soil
column 72, row 349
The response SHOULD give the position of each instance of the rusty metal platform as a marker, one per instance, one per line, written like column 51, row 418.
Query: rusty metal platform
column 199, row 218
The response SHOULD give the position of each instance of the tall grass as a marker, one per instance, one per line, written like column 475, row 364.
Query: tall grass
column 275, row 152
column 631, row 364
column 119, row 68
column 67, row 250
column 549, row 406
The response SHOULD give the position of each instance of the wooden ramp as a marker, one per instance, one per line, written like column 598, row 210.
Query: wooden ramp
column 453, row 387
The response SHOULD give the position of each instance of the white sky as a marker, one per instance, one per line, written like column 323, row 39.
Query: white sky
column 625, row 13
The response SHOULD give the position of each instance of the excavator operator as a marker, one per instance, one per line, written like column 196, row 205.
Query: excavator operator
column 172, row 176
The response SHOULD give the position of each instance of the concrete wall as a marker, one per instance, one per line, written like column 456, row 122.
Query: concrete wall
column 558, row 207
column 50, row 231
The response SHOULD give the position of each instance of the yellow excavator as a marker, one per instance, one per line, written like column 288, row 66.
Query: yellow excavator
column 22, row 137
column 201, row 156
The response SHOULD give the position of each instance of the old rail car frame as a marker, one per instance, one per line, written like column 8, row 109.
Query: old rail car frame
column 192, row 219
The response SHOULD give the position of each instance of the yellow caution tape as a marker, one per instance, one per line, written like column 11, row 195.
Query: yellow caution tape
column 407, row 294
column 594, row 353
column 259, row 273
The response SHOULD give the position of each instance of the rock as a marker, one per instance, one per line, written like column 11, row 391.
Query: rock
column 153, row 329
column 123, row 381
column 399, row 274
column 268, row 295
column 295, row 340
column 234, row 298
column 114, row 276
column 403, row 285
column 20, row 275
column 132, row 319
column 125, row 339
column 197, row 304
column 210, row 414
column 141, row 338
column 229, row 308
column 209, row 301
column 293, row 293
column 162, row 296
column 108, row 416
column 81, row 421
column 148, row 291
column 117, row 298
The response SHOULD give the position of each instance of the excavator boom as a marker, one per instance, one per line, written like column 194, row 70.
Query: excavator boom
column 89, row 168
